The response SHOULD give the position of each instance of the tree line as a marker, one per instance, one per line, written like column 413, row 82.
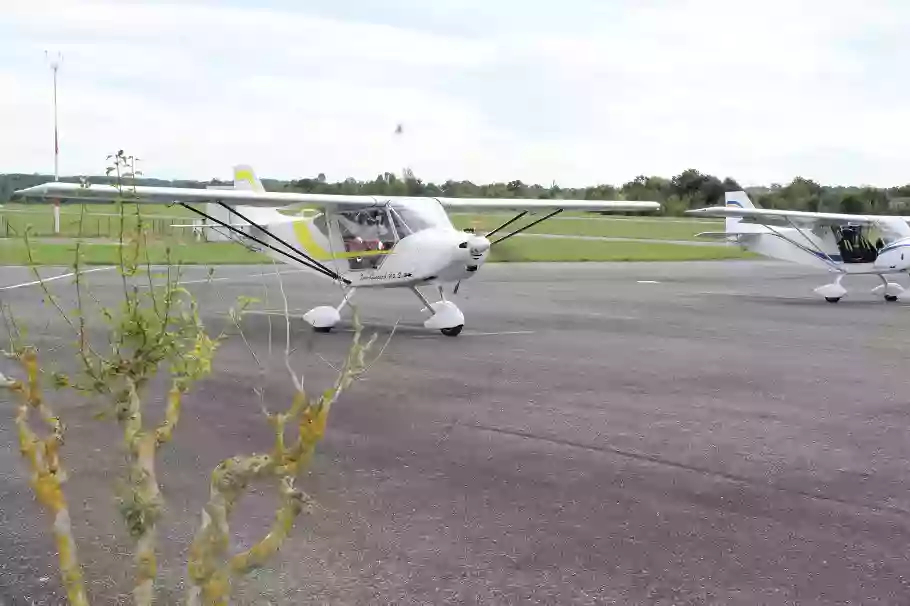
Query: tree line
column 687, row 190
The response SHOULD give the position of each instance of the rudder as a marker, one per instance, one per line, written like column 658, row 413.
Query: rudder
column 245, row 178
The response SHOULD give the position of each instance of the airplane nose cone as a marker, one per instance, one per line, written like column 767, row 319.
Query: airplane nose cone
column 478, row 245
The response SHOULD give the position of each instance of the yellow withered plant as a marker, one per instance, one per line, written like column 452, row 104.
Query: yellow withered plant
column 157, row 330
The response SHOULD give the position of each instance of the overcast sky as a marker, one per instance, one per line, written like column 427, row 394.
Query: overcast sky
column 577, row 91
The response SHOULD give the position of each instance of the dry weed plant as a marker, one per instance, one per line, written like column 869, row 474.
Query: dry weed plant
column 157, row 329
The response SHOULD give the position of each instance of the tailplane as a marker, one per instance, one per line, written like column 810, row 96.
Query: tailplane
column 245, row 178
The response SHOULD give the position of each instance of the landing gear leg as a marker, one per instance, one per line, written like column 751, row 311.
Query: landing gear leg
column 445, row 315
column 325, row 317
column 891, row 290
column 834, row 291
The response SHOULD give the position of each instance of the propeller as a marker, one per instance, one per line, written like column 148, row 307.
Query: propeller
column 477, row 247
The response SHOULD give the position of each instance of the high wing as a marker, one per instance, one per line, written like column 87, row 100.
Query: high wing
column 487, row 204
column 787, row 218
column 50, row 192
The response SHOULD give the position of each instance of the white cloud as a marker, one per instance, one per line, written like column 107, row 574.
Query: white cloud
column 583, row 94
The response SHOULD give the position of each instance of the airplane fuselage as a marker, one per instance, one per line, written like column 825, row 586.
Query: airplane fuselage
column 807, row 248
column 379, row 254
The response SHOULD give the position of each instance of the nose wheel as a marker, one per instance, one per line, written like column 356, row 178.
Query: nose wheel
column 889, row 290
column 444, row 315
column 454, row 331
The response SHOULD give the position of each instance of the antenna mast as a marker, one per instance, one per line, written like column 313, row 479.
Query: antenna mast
column 55, row 65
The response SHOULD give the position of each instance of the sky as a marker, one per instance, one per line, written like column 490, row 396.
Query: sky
column 580, row 92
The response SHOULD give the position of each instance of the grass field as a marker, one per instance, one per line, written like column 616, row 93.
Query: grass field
column 597, row 225
column 567, row 250
column 13, row 251
column 99, row 220
column 103, row 221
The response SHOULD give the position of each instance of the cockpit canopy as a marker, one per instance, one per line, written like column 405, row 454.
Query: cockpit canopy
column 401, row 218
column 375, row 230
column 412, row 215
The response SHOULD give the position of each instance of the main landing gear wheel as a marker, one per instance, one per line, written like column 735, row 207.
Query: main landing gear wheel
column 454, row 331
column 891, row 298
column 446, row 318
column 832, row 299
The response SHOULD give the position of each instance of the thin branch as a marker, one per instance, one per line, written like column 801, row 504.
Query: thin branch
column 382, row 349
column 258, row 390
column 298, row 382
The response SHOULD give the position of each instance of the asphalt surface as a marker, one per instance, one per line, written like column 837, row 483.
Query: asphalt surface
column 636, row 433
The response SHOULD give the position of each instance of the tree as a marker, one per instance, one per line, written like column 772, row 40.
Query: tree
column 851, row 204
column 731, row 185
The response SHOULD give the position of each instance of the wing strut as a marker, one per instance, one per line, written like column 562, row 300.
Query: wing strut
column 811, row 248
column 299, row 256
column 518, row 231
column 507, row 223
column 296, row 250
column 820, row 252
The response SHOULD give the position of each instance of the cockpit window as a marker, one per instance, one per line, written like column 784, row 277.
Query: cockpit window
column 367, row 234
column 368, row 224
column 412, row 216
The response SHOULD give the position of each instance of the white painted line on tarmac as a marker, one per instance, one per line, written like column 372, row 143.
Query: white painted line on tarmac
column 66, row 275
column 367, row 327
column 230, row 278
column 648, row 282
column 477, row 334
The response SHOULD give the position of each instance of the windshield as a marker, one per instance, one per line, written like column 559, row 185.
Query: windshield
column 367, row 224
column 418, row 214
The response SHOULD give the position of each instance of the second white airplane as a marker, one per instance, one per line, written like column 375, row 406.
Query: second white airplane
column 844, row 244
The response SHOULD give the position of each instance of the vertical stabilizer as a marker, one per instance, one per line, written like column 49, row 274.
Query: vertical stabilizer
column 245, row 178
column 736, row 198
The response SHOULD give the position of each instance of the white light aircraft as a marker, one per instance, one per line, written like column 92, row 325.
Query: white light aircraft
column 357, row 241
column 839, row 243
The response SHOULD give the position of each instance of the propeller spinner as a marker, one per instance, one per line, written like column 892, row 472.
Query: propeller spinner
column 477, row 247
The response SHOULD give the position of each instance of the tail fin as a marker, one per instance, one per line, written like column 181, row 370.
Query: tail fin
column 245, row 178
column 736, row 198
column 733, row 231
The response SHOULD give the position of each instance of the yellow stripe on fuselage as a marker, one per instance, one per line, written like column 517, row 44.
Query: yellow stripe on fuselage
column 312, row 248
